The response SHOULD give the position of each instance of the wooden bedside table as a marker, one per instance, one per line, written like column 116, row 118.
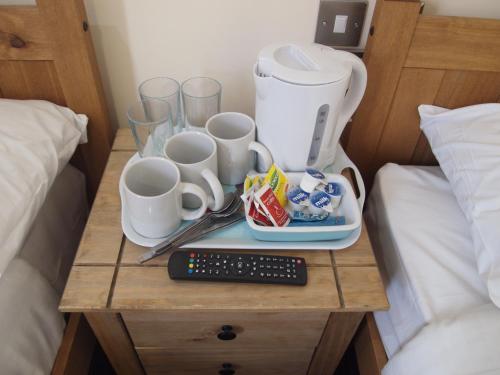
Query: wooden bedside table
column 146, row 322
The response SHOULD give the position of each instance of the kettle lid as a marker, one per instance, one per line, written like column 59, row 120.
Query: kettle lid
column 303, row 64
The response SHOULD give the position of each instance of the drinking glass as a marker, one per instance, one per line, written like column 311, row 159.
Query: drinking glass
column 151, row 123
column 201, row 98
column 167, row 89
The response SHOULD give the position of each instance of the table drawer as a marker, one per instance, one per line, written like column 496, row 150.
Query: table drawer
column 165, row 362
column 226, row 330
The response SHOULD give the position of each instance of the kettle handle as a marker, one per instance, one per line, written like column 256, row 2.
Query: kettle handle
column 354, row 94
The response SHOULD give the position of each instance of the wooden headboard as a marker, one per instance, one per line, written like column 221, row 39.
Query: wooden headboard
column 46, row 53
column 414, row 59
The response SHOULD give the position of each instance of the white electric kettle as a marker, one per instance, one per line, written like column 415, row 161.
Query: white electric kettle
column 306, row 94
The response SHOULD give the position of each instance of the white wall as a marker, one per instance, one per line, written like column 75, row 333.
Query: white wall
column 136, row 40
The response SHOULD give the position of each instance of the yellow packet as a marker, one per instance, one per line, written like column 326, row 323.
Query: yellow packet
column 252, row 182
column 278, row 181
column 247, row 184
column 257, row 182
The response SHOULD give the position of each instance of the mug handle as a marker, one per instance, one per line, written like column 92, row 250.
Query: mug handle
column 217, row 201
column 263, row 152
column 187, row 187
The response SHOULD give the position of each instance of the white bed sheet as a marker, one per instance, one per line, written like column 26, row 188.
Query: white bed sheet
column 424, row 248
column 54, row 236
column 32, row 284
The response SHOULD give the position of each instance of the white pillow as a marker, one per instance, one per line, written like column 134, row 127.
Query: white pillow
column 466, row 142
column 37, row 139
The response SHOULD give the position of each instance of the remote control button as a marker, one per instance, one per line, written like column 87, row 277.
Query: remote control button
column 268, row 274
column 192, row 255
column 275, row 275
column 268, row 259
column 293, row 260
column 217, row 272
column 299, row 261
column 191, row 265
column 275, row 267
column 252, row 274
column 261, row 259
column 191, row 260
column 226, row 272
column 239, row 267
column 217, row 256
column 217, row 264
column 190, row 271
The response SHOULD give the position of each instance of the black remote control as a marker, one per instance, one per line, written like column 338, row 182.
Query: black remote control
column 232, row 267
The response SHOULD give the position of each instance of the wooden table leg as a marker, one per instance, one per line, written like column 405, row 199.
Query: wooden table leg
column 338, row 333
column 115, row 341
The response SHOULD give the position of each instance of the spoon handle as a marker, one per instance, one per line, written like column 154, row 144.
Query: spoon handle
column 179, row 232
column 193, row 236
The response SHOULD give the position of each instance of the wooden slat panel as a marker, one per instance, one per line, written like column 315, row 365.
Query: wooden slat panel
column 113, row 337
column 87, row 288
column 131, row 253
column 386, row 54
column 150, row 288
column 30, row 80
column 124, row 140
column 198, row 330
column 370, row 351
column 463, row 88
column 422, row 155
column 455, row 43
column 339, row 331
column 77, row 347
column 102, row 237
column 76, row 67
column 362, row 289
column 244, row 362
column 26, row 23
column 402, row 131
column 359, row 254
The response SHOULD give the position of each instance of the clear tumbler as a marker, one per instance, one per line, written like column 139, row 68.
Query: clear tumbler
column 167, row 89
column 201, row 97
column 151, row 123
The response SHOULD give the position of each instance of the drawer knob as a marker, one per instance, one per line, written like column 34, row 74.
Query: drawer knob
column 227, row 333
column 227, row 369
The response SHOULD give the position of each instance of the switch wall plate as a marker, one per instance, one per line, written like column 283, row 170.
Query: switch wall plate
column 340, row 22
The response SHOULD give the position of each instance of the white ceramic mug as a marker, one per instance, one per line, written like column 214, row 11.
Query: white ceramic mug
column 195, row 154
column 234, row 134
column 153, row 190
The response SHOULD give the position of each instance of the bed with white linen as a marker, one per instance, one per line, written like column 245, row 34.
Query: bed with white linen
column 44, row 209
column 436, row 237
column 424, row 248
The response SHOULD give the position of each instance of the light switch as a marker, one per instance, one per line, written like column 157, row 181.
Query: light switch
column 340, row 24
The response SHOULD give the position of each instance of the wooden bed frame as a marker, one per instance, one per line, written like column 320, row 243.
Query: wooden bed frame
column 46, row 53
column 414, row 59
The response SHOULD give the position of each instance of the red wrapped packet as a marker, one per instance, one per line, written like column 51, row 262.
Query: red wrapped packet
column 258, row 217
column 267, row 201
